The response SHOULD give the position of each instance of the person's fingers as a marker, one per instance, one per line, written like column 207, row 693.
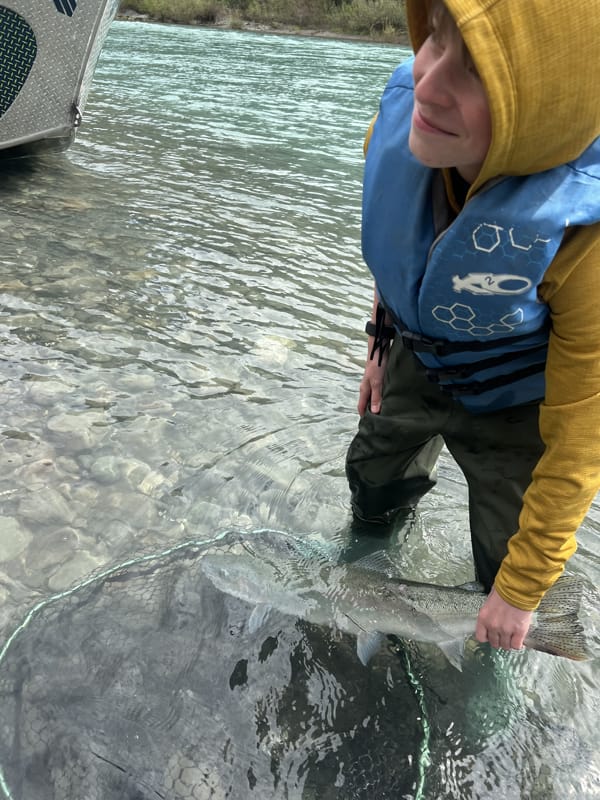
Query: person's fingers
column 364, row 395
column 500, row 641
column 481, row 632
column 517, row 641
column 375, row 399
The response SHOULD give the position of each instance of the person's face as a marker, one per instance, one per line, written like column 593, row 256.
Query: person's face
column 451, row 123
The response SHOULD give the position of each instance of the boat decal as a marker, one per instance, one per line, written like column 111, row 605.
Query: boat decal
column 18, row 49
column 66, row 6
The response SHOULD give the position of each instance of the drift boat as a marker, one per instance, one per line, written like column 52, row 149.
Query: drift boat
column 48, row 53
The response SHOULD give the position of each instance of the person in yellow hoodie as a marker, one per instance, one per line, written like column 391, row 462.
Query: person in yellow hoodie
column 481, row 226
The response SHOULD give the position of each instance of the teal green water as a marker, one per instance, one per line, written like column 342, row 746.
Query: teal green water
column 182, row 301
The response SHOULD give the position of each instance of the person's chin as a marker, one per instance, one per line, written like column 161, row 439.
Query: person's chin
column 421, row 153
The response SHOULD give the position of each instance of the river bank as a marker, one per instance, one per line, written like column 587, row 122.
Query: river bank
column 379, row 28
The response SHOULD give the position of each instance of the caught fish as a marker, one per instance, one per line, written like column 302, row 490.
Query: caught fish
column 369, row 599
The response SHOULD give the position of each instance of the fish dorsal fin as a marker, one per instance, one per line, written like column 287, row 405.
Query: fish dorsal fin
column 313, row 548
column 379, row 561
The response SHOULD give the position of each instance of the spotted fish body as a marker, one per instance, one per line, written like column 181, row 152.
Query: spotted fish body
column 270, row 569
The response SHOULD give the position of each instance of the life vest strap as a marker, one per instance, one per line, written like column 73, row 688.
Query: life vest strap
column 461, row 371
column 444, row 347
column 479, row 387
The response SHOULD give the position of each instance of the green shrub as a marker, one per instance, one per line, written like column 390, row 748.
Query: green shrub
column 301, row 13
column 380, row 19
column 369, row 17
column 181, row 11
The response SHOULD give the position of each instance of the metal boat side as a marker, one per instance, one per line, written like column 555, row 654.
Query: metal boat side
column 48, row 53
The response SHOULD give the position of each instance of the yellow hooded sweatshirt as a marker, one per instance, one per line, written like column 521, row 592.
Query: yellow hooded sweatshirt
column 539, row 61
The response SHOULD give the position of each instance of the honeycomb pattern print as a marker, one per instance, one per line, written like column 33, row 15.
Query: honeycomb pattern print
column 463, row 318
column 499, row 267
column 18, row 49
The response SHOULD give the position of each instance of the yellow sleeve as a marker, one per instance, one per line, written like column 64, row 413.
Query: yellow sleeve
column 369, row 134
column 567, row 476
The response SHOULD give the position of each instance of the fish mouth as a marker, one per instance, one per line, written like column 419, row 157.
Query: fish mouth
column 427, row 125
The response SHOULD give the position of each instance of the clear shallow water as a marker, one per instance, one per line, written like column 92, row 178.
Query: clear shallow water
column 181, row 306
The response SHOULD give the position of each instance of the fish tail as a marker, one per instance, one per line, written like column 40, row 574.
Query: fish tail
column 559, row 627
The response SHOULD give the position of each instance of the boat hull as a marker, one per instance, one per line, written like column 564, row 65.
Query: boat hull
column 48, row 53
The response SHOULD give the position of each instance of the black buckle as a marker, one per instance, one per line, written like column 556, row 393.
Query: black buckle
column 386, row 332
column 462, row 389
column 420, row 344
column 450, row 373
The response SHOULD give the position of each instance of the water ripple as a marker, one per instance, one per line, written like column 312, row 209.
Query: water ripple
column 182, row 298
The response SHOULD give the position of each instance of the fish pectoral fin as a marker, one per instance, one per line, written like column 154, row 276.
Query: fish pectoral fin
column 367, row 645
column 454, row 650
column 258, row 616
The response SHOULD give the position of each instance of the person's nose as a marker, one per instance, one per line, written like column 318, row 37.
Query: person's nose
column 433, row 82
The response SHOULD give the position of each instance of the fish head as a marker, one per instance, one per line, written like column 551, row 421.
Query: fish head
column 264, row 571
column 234, row 572
column 278, row 547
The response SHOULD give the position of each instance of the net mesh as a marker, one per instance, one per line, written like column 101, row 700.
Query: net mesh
column 144, row 682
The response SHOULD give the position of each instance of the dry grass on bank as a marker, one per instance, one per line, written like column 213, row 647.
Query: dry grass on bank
column 381, row 20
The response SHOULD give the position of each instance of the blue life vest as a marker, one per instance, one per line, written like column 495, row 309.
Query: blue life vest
column 465, row 299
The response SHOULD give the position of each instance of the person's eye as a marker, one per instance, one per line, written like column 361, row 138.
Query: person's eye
column 435, row 41
column 435, row 35
column 471, row 68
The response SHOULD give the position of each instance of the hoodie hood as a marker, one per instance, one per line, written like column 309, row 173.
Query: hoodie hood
column 540, row 66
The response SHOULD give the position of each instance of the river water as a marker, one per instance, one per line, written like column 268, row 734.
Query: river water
column 182, row 301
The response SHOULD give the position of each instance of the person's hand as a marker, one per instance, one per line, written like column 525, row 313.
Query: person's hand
column 371, row 386
column 501, row 624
